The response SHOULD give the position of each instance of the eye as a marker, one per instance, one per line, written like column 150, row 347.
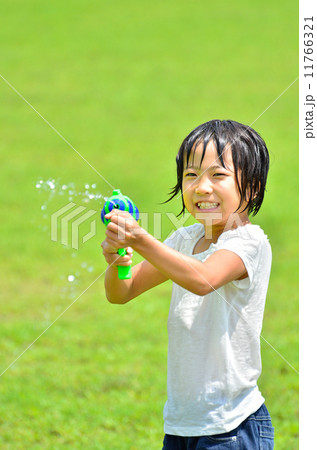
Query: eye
column 219, row 174
column 189, row 174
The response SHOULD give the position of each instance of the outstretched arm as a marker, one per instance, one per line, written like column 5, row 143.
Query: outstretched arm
column 196, row 276
column 144, row 276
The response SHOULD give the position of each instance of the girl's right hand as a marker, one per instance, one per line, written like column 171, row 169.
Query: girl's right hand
column 112, row 257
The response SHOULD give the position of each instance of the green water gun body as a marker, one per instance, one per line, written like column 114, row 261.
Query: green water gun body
column 123, row 203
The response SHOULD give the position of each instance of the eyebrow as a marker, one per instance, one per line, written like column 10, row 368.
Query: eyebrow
column 214, row 166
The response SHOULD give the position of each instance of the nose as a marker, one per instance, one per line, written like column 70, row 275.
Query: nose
column 204, row 185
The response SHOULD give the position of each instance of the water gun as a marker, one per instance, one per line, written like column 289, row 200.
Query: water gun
column 124, row 203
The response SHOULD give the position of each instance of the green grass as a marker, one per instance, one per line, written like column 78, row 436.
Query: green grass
column 123, row 83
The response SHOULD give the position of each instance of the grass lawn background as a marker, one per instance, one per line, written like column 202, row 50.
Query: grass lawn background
column 123, row 83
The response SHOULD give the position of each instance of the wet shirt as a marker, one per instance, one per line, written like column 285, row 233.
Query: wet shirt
column 214, row 358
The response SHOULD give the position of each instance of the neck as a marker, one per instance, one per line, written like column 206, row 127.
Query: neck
column 213, row 231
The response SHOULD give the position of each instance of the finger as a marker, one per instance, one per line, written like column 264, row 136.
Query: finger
column 112, row 259
column 113, row 214
column 117, row 214
column 116, row 228
column 109, row 215
column 107, row 247
column 124, row 261
column 117, row 260
column 114, row 245
column 116, row 241
column 117, row 234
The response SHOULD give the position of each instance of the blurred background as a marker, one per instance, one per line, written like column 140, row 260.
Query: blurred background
column 100, row 94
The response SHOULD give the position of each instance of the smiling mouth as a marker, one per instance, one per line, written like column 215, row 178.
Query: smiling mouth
column 207, row 205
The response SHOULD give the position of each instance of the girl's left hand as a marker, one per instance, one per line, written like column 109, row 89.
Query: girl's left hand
column 123, row 229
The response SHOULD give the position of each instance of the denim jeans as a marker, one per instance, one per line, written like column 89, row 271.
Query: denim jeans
column 254, row 433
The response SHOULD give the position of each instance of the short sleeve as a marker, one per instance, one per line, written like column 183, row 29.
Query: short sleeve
column 247, row 247
column 184, row 238
column 172, row 240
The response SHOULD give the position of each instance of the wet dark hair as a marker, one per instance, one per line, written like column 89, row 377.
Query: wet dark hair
column 249, row 155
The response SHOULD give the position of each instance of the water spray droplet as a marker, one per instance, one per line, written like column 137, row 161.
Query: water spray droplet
column 51, row 184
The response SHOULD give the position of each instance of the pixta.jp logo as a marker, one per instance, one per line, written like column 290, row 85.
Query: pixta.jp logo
column 70, row 223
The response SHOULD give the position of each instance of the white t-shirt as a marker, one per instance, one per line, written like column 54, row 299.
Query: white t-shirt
column 214, row 357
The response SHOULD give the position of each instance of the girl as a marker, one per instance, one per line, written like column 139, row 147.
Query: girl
column 220, row 270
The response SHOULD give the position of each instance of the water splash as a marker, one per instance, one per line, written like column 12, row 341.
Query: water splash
column 55, row 188
column 54, row 194
column 54, row 191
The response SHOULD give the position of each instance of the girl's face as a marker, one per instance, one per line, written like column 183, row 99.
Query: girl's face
column 210, row 191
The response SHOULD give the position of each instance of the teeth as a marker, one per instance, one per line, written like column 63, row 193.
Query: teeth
column 207, row 205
